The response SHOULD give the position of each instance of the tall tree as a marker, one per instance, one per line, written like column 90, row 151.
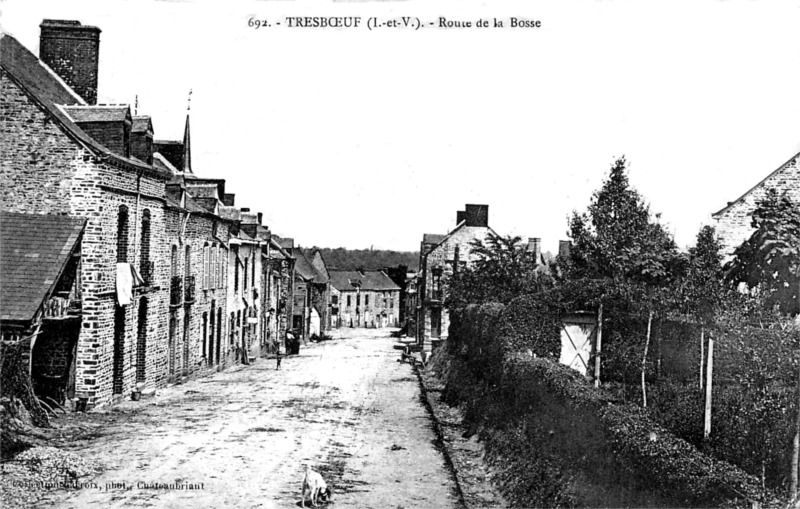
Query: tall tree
column 617, row 237
column 503, row 269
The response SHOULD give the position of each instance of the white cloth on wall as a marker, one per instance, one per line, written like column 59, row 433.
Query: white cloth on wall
column 124, row 284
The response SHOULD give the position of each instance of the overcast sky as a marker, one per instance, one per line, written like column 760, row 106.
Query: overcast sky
column 362, row 138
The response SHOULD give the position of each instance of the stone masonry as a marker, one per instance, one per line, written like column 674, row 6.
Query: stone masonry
column 733, row 223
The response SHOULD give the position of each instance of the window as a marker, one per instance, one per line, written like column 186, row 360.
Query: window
column 236, row 274
column 206, row 266
column 334, row 299
column 391, row 303
column 205, row 332
column 253, row 273
column 366, row 300
column 187, row 264
column 144, row 259
column 232, row 331
column 358, row 300
column 220, row 268
column 122, row 235
column 212, row 268
column 173, row 261
column 348, row 301
column 246, row 266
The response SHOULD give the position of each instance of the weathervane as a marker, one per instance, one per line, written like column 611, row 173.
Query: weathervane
column 136, row 105
column 189, row 101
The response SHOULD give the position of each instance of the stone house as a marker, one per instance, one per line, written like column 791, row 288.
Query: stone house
column 733, row 222
column 244, row 273
column 198, row 243
column 322, row 299
column 62, row 154
column 313, row 281
column 276, row 279
column 367, row 298
column 440, row 255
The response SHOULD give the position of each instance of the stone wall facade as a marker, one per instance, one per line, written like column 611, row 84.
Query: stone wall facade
column 198, row 329
column 436, row 268
column 243, row 301
column 733, row 223
column 368, row 308
column 43, row 171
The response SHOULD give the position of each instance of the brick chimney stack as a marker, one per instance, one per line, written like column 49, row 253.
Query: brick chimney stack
column 564, row 247
column 72, row 51
column 477, row 215
column 535, row 246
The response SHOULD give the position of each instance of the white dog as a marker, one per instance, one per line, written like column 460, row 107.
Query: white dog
column 314, row 486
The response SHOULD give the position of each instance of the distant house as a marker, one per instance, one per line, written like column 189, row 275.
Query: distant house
column 312, row 284
column 440, row 256
column 277, row 264
column 733, row 222
column 366, row 298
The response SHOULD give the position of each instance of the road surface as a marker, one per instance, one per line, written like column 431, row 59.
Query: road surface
column 240, row 438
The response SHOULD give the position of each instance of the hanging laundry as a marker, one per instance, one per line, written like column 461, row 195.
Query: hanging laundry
column 124, row 284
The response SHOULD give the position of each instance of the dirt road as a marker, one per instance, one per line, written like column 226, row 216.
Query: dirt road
column 241, row 437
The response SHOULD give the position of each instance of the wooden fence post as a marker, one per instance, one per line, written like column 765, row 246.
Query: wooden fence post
column 599, row 346
column 644, row 358
column 702, row 353
column 709, row 374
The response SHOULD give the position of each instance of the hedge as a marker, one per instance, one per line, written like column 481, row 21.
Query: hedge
column 554, row 440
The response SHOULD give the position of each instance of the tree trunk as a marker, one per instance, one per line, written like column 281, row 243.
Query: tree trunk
column 644, row 358
column 15, row 381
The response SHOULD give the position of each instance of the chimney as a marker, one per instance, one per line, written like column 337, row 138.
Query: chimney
column 535, row 246
column 564, row 247
column 460, row 215
column 260, row 217
column 228, row 199
column 477, row 215
column 245, row 209
column 72, row 51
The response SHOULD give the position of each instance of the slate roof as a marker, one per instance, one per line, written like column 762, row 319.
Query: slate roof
column 276, row 251
column 142, row 124
column 306, row 269
column 370, row 280
column 34, row 250
column 113, row 113
column 433, row 238
column 781, row 168
column 51, row 93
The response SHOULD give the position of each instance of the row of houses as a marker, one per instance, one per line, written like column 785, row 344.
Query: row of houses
column 120, row 267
